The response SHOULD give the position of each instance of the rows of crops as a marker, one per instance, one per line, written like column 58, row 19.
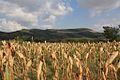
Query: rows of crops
column 59, row 61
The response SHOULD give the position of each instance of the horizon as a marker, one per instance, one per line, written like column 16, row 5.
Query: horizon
column 58, row 14
column 51, row 29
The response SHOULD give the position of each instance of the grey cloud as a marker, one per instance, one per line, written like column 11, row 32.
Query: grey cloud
column 99, row 6
column 29, row 5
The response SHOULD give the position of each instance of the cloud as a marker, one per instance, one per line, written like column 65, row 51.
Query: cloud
column 33, row 14
column 50, row 18
column 8, row 26
column 99, row 6
column 114, row 22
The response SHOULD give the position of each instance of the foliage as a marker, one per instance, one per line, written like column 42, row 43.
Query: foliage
column 50, row 35
column 111, row 33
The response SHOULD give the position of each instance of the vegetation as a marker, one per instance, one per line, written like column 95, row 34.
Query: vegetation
column 111, row 33
column 51, row 35
column 59, row 61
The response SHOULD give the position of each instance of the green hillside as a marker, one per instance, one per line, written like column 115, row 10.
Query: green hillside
column 52, row 34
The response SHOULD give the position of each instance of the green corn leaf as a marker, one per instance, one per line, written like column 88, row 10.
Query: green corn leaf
column 7, row 73
column 0, row 76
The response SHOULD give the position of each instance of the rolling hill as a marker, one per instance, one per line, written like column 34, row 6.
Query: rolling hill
column 52, row 34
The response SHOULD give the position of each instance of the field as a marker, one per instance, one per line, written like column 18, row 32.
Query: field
column 59, row 61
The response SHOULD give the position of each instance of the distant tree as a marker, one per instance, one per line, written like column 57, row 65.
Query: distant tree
column 111, row 33
column 119, row 25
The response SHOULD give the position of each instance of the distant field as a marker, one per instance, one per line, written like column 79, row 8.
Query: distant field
column 59, row 61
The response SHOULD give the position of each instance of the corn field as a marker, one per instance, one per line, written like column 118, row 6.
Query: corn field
column 59, row 61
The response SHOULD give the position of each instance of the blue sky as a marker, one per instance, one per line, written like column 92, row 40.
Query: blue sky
column 78, row 17
column 61, row 14
column 81, row 17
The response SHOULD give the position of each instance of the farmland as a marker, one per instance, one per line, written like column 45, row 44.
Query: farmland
column 20, row 60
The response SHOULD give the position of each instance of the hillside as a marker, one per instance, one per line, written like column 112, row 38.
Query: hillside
column 52, row 34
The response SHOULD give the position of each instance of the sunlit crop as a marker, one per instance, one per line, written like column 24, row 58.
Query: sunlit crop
column 59, row 61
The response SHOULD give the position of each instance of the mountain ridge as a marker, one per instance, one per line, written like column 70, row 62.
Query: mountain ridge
column 51, row 34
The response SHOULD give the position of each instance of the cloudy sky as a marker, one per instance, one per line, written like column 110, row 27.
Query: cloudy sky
column 50, row 14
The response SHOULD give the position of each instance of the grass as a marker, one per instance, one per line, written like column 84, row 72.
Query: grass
column 59, row 61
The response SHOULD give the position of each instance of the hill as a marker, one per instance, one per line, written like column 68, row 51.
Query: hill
column 52, row 34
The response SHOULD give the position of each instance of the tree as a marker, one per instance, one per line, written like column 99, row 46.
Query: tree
column 111, row 33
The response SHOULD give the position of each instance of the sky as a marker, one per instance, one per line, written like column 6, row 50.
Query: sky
column 58, row 14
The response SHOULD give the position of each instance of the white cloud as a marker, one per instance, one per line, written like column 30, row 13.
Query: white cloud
column 59, row 10
column 8, row 26
column 20, row 14
column 47, row 26
column 50, row 18
column 114, row 22
column 14, row 12
column 34, row 14
column 99, row 6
